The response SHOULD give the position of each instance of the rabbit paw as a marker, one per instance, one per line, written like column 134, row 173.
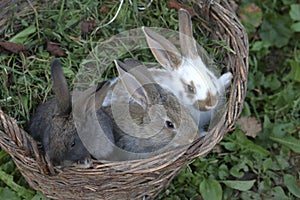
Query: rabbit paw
column 225, row 79
column 202, row 133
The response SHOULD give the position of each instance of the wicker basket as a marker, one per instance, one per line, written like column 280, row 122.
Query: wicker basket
column 143, row 178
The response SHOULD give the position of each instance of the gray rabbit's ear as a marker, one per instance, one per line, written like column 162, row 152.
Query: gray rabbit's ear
column 187, row 42
column 60, row 88
column 163, row 50
column 100, row 94
column 138, row 70
column 132, row 85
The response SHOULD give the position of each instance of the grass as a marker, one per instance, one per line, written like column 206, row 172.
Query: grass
column 264, row 166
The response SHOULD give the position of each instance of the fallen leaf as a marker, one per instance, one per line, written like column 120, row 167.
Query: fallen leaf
column 251, row 14
column 103, row 10
column 55, row 49
column 176, row 5
column 88, row 26
column 250, row 126
column 251, row 17
column 11, row 47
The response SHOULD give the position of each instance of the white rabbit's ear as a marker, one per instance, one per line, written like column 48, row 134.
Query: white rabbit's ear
column 163, row 50
column 133, row 86
column 187, row 42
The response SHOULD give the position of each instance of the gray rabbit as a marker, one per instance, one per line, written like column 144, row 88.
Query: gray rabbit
column 146, row 119
column 53, row 126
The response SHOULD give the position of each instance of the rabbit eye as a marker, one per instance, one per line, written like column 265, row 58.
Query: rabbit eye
column 73, row 143
column 191, row 89
column 170, row 124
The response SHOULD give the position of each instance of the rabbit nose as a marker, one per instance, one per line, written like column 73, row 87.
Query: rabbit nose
column 208, row 103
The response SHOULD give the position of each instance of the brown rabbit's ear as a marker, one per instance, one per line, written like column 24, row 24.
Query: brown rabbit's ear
column 60, row 88
column 163, row 50
column 187, row 42
column 133, row 86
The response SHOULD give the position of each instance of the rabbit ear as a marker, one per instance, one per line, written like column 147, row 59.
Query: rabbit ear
column 132, row 85
column 187, row 42
column 60, row 88
column 100, row 94
column 163, row 50
column 138, row 70
column 132, row 63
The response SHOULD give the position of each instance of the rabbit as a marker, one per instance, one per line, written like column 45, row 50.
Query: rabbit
column 93, row 125
column 186, row 75
column 147, row 119
column 53, row 126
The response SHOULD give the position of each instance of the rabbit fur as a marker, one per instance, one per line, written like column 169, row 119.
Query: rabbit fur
column 52, row 125
column 185, row 74
column 162, row 123
column 147, row 119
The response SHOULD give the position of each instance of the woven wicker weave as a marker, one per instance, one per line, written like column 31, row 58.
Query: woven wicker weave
column 143, row 178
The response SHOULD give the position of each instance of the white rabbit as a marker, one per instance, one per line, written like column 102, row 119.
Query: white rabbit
column 147, row 119
column 186, row 75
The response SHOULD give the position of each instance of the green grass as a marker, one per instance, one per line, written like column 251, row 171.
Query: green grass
column 241, row 167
